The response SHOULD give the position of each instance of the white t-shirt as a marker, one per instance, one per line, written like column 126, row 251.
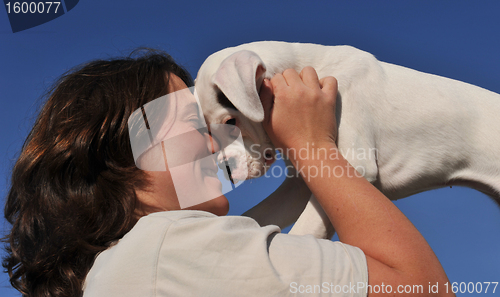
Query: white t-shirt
column 195, row 253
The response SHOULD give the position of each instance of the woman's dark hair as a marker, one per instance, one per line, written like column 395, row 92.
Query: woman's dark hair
column 73, row 186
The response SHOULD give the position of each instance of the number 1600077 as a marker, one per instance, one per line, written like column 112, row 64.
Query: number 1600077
column 32, row 7
column 470, row 287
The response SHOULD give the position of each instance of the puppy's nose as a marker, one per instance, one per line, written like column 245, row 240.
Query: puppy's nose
column 229, row 162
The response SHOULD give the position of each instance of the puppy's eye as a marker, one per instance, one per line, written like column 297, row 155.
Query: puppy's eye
column 231, row 122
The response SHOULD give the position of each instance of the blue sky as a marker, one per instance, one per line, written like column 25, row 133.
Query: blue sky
column 456, row 39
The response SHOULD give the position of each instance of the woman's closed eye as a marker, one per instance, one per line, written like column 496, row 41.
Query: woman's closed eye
column 196, row 121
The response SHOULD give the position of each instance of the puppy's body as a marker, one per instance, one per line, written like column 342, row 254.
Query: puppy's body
column 405, row 130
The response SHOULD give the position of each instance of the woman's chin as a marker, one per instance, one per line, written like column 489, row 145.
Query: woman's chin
column 220, row 206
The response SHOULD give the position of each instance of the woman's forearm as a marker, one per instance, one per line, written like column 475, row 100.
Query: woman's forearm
column 365, row 218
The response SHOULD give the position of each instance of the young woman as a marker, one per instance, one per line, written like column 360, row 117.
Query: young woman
column 87, row 221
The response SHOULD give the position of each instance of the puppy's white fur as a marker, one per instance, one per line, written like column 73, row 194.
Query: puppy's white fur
column 418, row 131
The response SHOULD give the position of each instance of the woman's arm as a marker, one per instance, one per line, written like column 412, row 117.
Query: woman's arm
column 302, row 112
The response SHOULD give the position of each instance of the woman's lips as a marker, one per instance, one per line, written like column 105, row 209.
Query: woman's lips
column 210, row 167
column 212, row 170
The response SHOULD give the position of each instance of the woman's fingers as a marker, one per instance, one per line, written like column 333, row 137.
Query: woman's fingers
column 278, row 83
column 310, row 77
column 307, row 76
column 292, row 77
column 329, row 84
column 301, row 110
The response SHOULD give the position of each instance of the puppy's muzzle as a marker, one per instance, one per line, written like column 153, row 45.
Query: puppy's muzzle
column 226, row 164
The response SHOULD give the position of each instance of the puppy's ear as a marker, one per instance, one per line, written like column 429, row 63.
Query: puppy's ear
column 239, row 77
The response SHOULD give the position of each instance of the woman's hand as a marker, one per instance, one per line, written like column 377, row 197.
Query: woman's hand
column 299, row 109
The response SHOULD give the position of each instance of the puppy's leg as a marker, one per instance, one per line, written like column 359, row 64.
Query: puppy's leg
column 314, row 221
column 284, row 205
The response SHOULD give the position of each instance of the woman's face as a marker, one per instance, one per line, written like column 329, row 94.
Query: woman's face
column 191, row 175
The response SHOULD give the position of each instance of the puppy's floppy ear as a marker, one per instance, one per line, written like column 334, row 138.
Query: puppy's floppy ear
column 239, row 77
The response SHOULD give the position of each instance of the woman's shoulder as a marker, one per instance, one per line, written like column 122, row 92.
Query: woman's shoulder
column 196, row 218
column 171, row 229
column 164, row 240
column 192, row 225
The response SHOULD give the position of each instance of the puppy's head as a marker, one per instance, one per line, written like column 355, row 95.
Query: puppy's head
column 228, row 87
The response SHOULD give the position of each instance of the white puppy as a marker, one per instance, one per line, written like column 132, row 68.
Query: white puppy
column 405, row 131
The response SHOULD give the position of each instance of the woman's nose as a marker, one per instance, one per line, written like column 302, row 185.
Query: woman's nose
column 212, row 143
